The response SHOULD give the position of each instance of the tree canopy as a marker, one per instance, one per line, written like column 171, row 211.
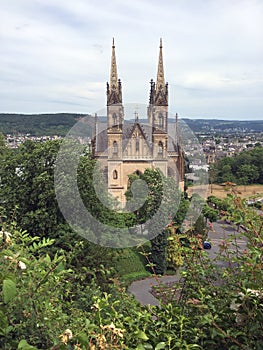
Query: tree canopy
column 244, row 168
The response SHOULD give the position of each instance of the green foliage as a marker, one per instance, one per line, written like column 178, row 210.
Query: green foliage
column 27, row 184
column 38, row 124
column 103, row 208
column 129, row 261
column 49, row 306
column 9, row 290
column 154, row 180
column 247, row 174
column 156, row 211
column 244, row 168
column 158, row 255
column 55, row 292
column 28, row 194
column 217, row 203
column 200, row 227
column 174, row 251
column 210, row 214
column 3, row 147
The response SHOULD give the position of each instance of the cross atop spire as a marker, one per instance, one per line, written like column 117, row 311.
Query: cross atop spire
column 160, row 74
column 113, row 72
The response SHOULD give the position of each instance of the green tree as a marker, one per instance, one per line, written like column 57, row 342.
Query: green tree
column 28, row 196
column 3, row 146
column 27, row 184
column 230, row 168
column 212, row 307
column 226, row 174
column 200, row 227
column 210, row 214
column 156, row 210
column 248, row 174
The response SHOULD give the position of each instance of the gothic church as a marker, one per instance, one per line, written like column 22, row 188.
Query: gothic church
column 124, row 147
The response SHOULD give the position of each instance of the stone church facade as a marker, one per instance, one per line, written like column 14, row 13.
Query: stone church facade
column 124, row 147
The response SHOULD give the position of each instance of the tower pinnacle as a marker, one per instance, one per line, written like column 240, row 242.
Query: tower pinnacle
column 160, row 82
column 113, row 73
column 114, row 94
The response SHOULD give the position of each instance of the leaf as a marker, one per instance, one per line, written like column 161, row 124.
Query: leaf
column 147, row 346
column 160, row 346
column 3, row 323
column 47, row 259
column 9, row 290
column 83, row 339
column 23, row 345
column 142, row 335
column 144, row 346
column 140, row 347
column 60, row 267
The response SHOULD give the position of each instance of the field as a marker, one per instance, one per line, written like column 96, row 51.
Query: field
column 222, row 191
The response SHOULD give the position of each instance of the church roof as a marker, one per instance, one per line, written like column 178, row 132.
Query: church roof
column 127, row 130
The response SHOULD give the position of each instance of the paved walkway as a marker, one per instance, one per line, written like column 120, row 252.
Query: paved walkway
column 222, row 231
column 141, row 289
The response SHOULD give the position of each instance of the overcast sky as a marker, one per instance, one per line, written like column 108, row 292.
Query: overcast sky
column 55, row 54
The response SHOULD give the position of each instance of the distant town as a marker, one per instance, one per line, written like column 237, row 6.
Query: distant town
column 219, row 138
column 14, row 141
column 228, row 144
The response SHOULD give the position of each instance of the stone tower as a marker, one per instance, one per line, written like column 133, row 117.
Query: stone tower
column 158, row 116
column 115, row 116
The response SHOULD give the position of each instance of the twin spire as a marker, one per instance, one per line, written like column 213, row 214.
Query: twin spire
column 160, row 82
column 158, row 92
column 113, row 73
column 114, row 93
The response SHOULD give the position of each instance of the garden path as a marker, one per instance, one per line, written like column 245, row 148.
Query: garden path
column 142, row 289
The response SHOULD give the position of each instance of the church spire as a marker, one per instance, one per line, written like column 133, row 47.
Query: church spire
column 159, row 90
column 113, row 73
column 160, row 83
column 114, row 94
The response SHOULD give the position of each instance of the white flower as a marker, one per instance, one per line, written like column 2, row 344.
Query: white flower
column 234, row 305
column 21, row 265
column 66, row 336
column 6, row 236
column 257, row 293
column 238, row 306
column 7, row 257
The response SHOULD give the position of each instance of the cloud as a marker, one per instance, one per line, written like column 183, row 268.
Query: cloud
column 54, row 50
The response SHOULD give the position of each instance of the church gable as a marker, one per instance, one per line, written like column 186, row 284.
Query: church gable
column 137, row 144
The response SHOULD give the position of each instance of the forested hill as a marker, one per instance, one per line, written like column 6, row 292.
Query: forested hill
column 230, row 126
column 38, row 124
column 60, row 124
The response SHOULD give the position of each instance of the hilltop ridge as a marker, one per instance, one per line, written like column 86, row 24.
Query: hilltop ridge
column 60, row 123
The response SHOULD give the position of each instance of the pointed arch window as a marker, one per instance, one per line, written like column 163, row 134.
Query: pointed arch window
column 160, row 148
column 114, row 118
column 115, row 147
column 160, row 120
column 137, row 144
column 115, row 175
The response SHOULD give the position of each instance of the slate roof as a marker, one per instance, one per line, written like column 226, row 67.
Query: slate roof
column 128, row 128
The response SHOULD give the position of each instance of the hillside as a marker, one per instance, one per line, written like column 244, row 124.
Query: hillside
column 60, row 123
column 199, row 125
column 38, row 124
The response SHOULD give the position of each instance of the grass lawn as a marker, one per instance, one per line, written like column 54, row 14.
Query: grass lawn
column 222, row 191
